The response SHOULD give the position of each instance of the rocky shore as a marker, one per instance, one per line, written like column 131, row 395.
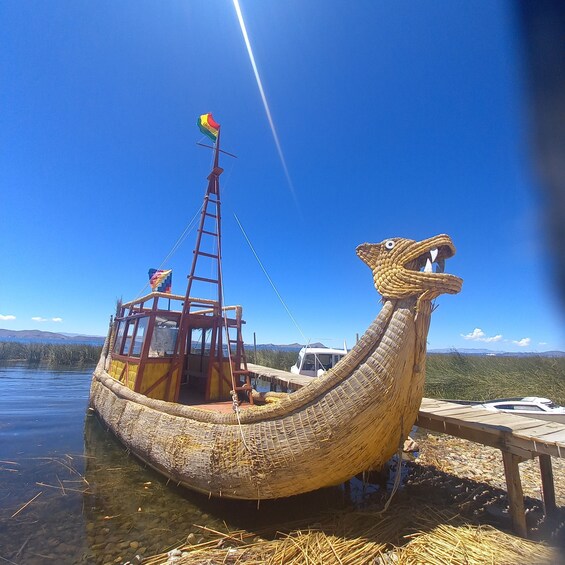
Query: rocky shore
column 452, row 508
column 471, row 476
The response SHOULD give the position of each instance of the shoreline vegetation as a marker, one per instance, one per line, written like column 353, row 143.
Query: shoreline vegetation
column 469, row 377
column 51, row 355
column 448, row 375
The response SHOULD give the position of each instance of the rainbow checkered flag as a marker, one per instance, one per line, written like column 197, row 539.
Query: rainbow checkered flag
column 161, row 281
column 208, row 126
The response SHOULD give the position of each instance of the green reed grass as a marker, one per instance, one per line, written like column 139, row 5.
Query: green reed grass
column 468, row 377
column 477, row 377
column 49, row 354
column 275, row 359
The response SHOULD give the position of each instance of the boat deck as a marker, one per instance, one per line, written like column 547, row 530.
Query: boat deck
column 197, row 400
column 518, row 438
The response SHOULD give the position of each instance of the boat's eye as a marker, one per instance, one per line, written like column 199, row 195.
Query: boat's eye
column 389, row 244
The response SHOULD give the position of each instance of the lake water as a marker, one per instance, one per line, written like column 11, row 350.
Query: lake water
column 87, row 500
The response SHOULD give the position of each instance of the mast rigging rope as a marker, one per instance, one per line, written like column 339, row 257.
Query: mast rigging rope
column 270, row 280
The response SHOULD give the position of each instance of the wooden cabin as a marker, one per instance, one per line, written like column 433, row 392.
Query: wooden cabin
column 165, row 349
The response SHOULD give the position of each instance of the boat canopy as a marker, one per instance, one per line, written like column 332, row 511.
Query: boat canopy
column 145, row 349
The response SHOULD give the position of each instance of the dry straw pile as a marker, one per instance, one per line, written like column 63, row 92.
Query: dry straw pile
column 403, row 536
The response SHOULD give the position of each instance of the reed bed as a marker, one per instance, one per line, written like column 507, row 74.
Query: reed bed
column 50, row 354
column 478, row 377
column 468, row 377
column 406, row 535
column 275, row 359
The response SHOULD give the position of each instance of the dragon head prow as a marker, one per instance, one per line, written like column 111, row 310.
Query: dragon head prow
column 404, row 267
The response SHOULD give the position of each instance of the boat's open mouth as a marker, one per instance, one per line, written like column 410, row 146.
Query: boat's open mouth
column 404, row 267
column 432, row 261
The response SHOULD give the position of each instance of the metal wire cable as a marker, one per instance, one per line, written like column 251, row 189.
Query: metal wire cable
column 269, row 279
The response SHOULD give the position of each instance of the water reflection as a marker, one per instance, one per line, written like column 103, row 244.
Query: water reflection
column 130, row 509
column 70, row 493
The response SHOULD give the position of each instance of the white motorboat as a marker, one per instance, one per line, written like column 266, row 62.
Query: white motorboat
column 529, row 406
column 315, row 361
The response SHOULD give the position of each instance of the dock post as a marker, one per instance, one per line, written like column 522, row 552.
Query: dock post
column 515, row 493
column 547, row 485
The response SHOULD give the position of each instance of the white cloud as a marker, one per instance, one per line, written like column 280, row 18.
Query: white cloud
column 41, row 319
column 542, row 343
column 478, row 335
column 7, row 317
column 524, row 342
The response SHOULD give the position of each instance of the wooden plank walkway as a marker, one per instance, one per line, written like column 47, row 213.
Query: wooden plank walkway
column 518, row 438
column 525, row 437
column 287, row 382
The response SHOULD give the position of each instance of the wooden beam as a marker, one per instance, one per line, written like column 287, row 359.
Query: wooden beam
column 515, row 493
column 500, row 440
column 548, row 487
column 153, row 295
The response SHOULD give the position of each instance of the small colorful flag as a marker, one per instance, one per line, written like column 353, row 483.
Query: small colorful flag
column 161, row 281
column 208, row 126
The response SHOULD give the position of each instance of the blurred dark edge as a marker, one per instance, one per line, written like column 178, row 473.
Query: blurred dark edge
column 542, row 27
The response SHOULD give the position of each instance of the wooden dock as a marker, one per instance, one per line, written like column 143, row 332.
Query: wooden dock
column 282, row 381
column 518, row 438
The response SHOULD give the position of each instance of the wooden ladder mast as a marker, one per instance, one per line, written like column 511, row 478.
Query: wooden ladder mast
column 211, row 209
column 240, row 372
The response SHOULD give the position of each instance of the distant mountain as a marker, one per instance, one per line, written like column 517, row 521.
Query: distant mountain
column 48, row 337
column 499, row 353
column 82, row 335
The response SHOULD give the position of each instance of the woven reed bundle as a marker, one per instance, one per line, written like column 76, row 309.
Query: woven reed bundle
column 408, row 536
column 472, row 545
column 352, row 418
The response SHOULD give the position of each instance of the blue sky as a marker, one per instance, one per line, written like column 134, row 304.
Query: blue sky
column 395, row 119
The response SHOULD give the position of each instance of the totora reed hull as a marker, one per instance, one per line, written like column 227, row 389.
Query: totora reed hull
column 342, row 423
column 350, row 419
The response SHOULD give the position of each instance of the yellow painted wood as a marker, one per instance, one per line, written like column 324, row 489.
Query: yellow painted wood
column 220, row 388
column 124, row 372
column 151, row 374
column 131, row 375
column 116, row 368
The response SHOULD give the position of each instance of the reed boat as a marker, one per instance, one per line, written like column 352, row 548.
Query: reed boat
column 173, row 385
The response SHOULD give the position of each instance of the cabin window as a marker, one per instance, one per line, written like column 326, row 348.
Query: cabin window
column 308, row 364
column 139, row 336
column 119, row 337
column 530, row 408
column 130, row 328
column 505, row 406
column 201, row 341
column 324, row 361
column 164, row 339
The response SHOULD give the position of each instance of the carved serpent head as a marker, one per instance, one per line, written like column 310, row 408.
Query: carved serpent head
column 403, row 267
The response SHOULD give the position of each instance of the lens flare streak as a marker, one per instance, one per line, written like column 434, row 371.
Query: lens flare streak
column 264, row 98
